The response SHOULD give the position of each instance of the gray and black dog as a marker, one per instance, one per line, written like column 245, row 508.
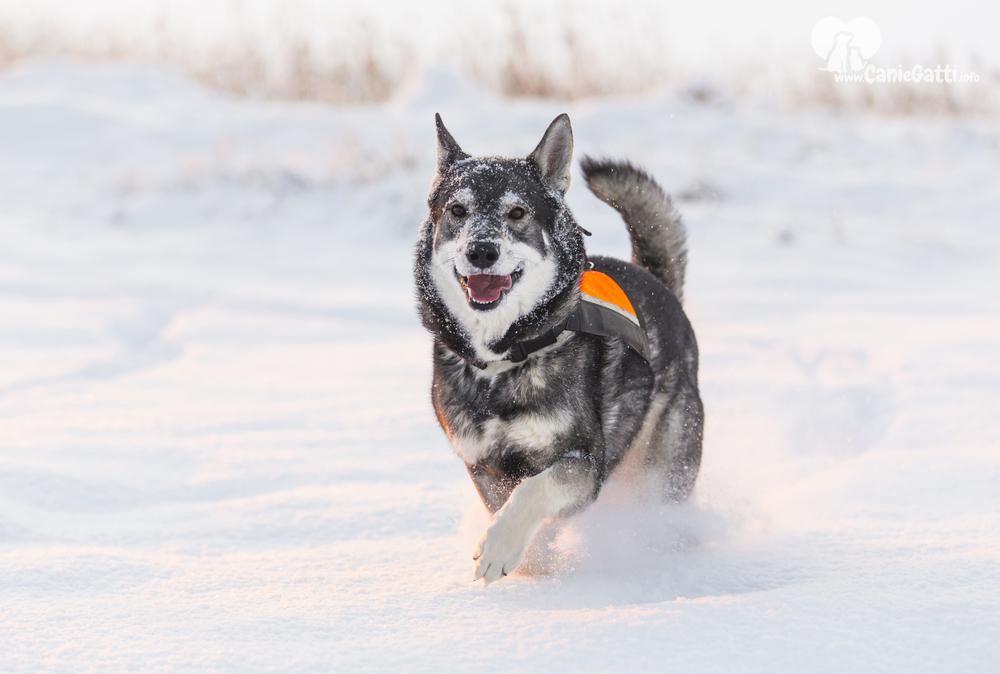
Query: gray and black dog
column 498, row 266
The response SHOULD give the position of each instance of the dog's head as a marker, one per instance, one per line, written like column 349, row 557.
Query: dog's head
column 500, row 250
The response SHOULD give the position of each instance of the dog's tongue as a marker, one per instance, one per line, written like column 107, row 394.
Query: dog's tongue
column 486, row 288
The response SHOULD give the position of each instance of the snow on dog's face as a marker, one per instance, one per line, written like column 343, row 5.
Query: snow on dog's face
column 497, row 226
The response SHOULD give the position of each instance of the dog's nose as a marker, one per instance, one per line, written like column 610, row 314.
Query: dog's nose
column 482, row 254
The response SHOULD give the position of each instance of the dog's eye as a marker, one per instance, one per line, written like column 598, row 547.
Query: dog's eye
column 458, row 210
column 516, row 213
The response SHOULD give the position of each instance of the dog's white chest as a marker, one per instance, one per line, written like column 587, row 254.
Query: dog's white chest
column 535, row 431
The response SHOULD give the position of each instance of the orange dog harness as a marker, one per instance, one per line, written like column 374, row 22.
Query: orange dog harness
column 604, row 310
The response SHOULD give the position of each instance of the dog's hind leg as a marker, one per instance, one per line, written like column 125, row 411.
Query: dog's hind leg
column 674, row 454
column 567, row 485
column 666, row 452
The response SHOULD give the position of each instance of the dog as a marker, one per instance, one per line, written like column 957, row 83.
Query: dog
column 541, row 386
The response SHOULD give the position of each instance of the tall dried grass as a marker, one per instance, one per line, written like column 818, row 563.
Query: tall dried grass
column 513, row 52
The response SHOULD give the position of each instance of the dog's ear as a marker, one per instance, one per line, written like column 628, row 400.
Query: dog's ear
column 448, row 150
column 554, row 154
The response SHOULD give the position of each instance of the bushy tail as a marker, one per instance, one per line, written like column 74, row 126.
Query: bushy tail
column 658, row 237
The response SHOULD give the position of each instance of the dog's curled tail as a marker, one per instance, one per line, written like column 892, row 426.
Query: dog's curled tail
column 656, row 230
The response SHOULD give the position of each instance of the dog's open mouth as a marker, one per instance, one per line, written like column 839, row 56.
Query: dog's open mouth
column 486, row 290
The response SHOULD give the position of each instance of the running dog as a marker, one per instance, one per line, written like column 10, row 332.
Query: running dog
column 551, row 366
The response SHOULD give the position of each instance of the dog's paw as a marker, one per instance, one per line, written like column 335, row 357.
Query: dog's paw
column 499, row 551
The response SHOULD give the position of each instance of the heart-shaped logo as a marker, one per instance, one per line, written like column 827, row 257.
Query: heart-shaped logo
column 846, row 47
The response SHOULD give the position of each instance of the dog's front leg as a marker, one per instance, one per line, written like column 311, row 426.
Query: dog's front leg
column 568, row 484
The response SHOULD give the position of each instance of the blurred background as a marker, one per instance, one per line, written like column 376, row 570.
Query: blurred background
column 217, row 450
column 361, row 52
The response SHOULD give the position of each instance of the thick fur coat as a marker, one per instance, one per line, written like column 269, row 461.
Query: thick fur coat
column 499, row 261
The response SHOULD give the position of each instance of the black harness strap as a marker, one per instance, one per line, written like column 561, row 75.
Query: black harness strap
column 592, row 319
column 519, row 351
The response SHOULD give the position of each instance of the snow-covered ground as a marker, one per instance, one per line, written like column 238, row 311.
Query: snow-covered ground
column 217, row 450
column 358, row 50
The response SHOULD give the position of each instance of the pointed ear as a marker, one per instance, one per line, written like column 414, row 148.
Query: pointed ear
column 554, row 154
column 448, row 150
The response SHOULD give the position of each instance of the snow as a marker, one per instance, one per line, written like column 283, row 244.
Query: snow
column 217, row 450
column 356, row 50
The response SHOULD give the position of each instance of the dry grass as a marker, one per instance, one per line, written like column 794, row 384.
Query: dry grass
column 243, row 68
column 557, row 60
column 526, row 69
